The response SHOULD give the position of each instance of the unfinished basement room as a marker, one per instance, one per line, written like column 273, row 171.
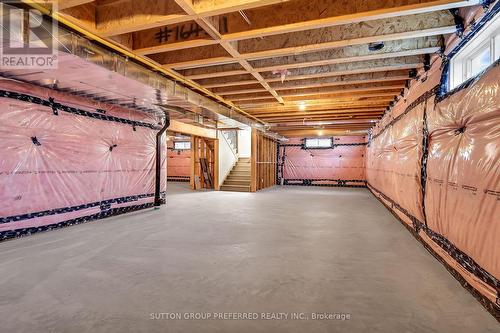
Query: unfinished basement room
column 250, row 166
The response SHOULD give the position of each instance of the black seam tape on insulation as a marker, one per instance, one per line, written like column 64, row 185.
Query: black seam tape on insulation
column 314, row 182
column 332, row 147
column 490, row 306
column 178, row 178
column 421, row 99
column 463, row 259
column 103, row 214
column 63, row 210
column 423, row 160
column 58, row 106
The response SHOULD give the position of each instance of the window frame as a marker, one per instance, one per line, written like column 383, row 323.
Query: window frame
column 330, row 139
column 184, row 142
column 460, row 64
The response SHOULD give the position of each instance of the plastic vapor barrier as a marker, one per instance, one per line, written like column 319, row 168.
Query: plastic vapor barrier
column 341, row 165
column 463, row 171
column 179, row 163
column 67, row 160
column 436, row 166
column 394, row 162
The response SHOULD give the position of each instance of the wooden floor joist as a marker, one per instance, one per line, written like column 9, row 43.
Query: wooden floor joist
column 279, row 58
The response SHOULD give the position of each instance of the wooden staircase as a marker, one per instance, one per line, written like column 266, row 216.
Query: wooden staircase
column 239, row 178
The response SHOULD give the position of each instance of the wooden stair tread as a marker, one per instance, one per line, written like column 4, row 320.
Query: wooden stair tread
column 239, row 178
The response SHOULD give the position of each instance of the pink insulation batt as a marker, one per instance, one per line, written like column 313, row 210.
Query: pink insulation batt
column 338, row 163
column 57, row 168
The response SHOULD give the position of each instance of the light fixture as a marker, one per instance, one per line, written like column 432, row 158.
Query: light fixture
column 376, row 46
column 320, row 133
column 302, row 106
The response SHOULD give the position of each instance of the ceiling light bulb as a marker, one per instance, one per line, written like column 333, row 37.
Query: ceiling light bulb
column 320, row 133
column 302, row 106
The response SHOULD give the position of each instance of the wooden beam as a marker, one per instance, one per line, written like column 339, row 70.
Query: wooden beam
column 184, row 128
column 126, row 16
column 216, row 165
column 211, row 26
column 307, row 121
column 225, row 82
column 328, row 90
column 381, row 65
column 350, row 59
column 245, row 100
column 217, row 7
column 318, row 104
column 253, row 161
column 301, row 15
column 321, row 132
column 278, row 118
column 335, row 71
column 168, row 47
column 232, row 49
column 430, row 24
column 308, row 113
column 196, row 57
column 423, row 25
column 335, row 81
column 65, row 4
column 217, row 74
column 349, row 54
column 241, row 91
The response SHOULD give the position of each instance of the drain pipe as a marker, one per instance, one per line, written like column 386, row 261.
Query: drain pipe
column 158, row 200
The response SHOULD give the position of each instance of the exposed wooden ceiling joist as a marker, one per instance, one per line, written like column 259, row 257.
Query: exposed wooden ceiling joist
column 391, row 49
column 371, row 115
column 317, row 103
column 320, row 97
column 351, row 89
column 313, row 14
column 323, row 132
column 211, row 26
column 275, row 58
column 217, row 7
column 423, row 25
column 65, row 4
column 338, row 70
column 346, row 109
column 254, row 107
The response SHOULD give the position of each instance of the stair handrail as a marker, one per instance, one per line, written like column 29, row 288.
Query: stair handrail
column 232, row 149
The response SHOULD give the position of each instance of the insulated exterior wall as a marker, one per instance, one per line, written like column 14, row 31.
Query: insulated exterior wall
column 435, row 162
column 179, row 163
column 463, row 171
column 69, row 167
column 394, row 162
column 344, row 164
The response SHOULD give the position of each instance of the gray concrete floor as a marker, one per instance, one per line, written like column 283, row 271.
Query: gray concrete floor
column 283, row 250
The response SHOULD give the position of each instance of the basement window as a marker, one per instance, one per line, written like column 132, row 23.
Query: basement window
column 319, row 143
column 479, row 53
column 182, row 145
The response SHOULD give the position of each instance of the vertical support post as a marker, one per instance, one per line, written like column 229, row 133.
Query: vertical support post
column 194, row 156
column 253, row 162
column 216, row 165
